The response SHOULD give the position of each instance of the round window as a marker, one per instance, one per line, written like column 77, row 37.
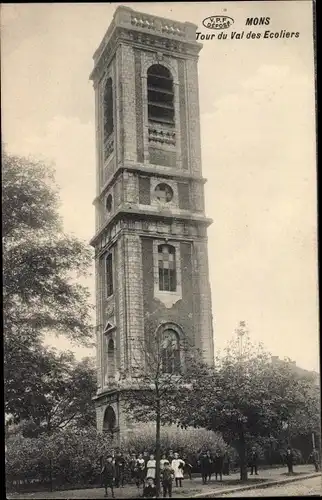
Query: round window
column 108, row 203
column 164, row 193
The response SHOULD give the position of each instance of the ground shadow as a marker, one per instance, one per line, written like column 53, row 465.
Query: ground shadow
column 291, row 474
column 236, row 482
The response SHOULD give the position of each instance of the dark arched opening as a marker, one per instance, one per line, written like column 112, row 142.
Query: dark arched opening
column 109, row 422
column 160, row 95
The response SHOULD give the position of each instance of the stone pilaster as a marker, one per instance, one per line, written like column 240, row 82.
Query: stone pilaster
column 128, row 103
column 134, row 300
column 193, row 116
column 204, row 306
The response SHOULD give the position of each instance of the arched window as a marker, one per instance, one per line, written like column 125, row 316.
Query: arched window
column 109, row 421
column 109, row 275
column 167, row 268
column 160, row 95
column 170, row 352
column 110, row 359
column 108, row 203
column 108, row 109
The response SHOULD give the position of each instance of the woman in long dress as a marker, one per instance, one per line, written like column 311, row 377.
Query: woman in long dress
column 177, row 465
column 150, row 467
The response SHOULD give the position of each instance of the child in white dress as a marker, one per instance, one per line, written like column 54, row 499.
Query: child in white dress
column 178, row 467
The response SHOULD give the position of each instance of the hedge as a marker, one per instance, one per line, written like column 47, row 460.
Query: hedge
column 69, row 457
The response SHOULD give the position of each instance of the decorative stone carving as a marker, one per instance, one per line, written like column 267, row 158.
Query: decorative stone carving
column 140, row 21
column 108, row 399
column 162, row 136
column 108, row 147
column 175, row 29
column 109, row 310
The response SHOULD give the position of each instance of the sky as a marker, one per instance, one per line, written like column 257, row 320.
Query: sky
column 257, row 108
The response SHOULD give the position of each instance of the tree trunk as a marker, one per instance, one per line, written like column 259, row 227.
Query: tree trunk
column 157, row 447
column 242, row 455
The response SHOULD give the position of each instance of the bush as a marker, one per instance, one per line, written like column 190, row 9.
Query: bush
column 66, row 457
column 187, row 442
column 71, row 458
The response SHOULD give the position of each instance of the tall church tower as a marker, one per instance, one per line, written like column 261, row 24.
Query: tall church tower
column 151, row 229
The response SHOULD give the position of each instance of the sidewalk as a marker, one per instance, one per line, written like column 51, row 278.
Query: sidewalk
column 266, row 478
column 193, row 487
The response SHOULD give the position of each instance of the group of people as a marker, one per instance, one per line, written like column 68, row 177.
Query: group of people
column 142, row 469
column 117, row 469
column 210, row 464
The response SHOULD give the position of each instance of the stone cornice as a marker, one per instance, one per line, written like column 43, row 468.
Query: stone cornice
column 145, row 39
column 136, row 213
column 153, row 236
column 131, row 19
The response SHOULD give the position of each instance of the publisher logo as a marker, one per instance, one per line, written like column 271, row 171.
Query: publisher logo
column 217, row 22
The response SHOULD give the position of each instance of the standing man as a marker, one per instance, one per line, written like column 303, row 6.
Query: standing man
column 108, row 474
column 210, row 465
column 315, row 459
column 226, row 465
column 289, row 459
column 218, row 464
column 120, row 469
column 253, row 462
column 203, row 463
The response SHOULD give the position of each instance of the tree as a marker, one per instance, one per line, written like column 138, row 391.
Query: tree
column 246, row 397
column 41, row 292
column 40, row 261
column 163, row 372
column 57, row 393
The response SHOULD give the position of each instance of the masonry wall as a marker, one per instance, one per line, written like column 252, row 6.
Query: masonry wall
column 182, row 312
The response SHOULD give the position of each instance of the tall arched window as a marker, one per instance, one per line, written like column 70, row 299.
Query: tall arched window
column 170, row 352
column 167, row 268
column 109, row 421
column 110, row 359
column 108, row 109
column 160, row 95
column 109, row 275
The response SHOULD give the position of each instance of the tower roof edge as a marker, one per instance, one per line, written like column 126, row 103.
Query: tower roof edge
column 127, row 18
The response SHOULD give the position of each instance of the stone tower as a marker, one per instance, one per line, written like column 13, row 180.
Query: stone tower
column 151, row 229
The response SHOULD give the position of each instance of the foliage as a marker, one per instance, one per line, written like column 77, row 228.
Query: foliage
column 39, row 259
column 57, row 393
column 71, row 456
column 156, row 392
column 188, row 442
column 41, row 292
column 246, row 398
